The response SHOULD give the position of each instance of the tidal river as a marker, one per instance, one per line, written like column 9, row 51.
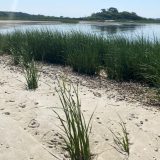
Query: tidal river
column 130, row 30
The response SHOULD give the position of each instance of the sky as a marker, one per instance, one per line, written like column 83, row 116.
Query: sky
column 81, row 8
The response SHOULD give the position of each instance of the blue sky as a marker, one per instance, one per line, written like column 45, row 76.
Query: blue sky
column 78, row 8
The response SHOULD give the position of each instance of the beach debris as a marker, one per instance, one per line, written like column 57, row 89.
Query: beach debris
column 141, row 122
column 156, row 149
column 97, row 94
column 36, row 103
column 22, row 106
column 33, row 124
column 7, row 113
column 11, row 101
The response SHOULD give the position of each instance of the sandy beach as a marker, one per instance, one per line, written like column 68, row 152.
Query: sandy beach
column 29, row 127
column 13, row 23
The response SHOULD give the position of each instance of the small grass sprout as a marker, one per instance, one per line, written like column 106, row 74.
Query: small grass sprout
column 121, row 140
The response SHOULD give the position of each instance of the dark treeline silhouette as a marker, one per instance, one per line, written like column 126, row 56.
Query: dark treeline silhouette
column 109, row 14
column 113, row 14
column 25, row 16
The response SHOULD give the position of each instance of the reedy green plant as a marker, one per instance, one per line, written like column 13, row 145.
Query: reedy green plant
column 84, row 61
column 121, row 140
column 15, row 56
column 122, row 58
column 31, row 74
column 75, row 129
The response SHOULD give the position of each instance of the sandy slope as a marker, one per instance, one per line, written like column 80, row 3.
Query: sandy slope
column 29, row 128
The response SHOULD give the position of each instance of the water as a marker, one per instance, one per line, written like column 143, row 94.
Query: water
column 129, row 30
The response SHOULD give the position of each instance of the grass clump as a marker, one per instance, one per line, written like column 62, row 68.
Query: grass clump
column 84, row 61
column 122, row 58
column 74, row 126
column 31, row 75
column 25, row 59
column 121, row 140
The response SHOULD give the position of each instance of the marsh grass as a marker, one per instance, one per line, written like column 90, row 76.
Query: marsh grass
column 122, row 58
column 74, row 126
column 22, row 56
column 121, row 139
column 69, row 21
column 15, row 56
column 84, row 61
column 31, row 74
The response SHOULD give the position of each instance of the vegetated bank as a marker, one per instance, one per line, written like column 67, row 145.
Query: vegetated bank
column 105, row 14
column 8, row 15
column 121, row 58
column 114, row 15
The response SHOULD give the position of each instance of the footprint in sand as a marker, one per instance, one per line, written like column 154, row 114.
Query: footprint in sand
column 33, row 124
column 52, row 139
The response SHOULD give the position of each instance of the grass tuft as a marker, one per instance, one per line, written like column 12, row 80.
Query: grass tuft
column 75, row 129
column 121, row 140
column 31, row 74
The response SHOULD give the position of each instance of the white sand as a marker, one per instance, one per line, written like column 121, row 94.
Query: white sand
column 13, row 23
column 29, row 127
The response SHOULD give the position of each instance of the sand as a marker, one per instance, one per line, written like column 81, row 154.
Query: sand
column 29, row 128
column 14, row 23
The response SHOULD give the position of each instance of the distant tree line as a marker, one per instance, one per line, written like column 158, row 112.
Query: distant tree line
column 109, row 14
column 25, row 16
column 113, row 14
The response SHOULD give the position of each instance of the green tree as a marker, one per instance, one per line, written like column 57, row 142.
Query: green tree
column 103, row 10
column 113, row 10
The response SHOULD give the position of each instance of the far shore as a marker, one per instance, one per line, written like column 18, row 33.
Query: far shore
column 23, row 22
column 98, row 23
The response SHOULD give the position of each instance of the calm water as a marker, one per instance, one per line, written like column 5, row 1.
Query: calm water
column 130, row 30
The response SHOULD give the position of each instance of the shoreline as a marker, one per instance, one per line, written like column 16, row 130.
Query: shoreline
column 98, row 23
column 12, row 23
column 106, row 22
column 21, row 107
